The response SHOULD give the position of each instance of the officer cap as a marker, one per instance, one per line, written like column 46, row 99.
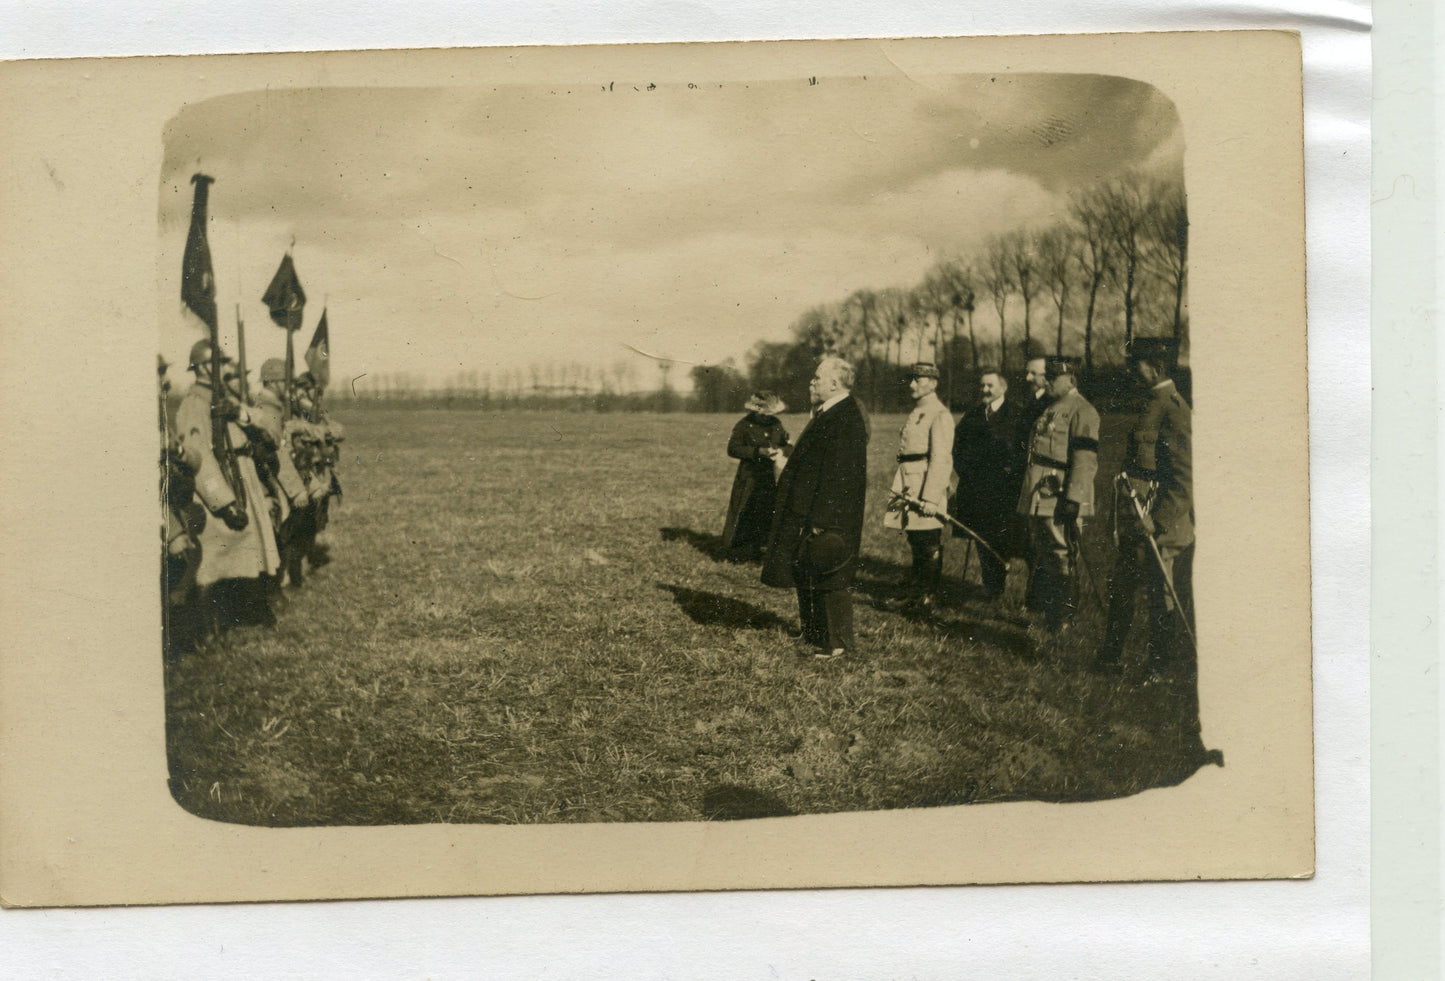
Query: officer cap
column 201, row 355
column 1055, row 365
column 273, row 370
column 923, row 369
column 1152, row 349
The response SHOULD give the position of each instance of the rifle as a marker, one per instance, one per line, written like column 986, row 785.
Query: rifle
column 241, row 356
column 1142, row 518
column 901, row 501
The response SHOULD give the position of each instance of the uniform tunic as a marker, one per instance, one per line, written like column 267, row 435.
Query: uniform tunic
column 1063, row 459
column 1160, row 453
column 925, row 451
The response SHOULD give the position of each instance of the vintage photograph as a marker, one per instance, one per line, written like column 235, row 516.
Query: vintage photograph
column 638, row 451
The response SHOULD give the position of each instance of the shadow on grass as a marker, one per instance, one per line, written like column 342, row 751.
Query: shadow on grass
column 716, row 610
column 709, row 545
column 729, row 802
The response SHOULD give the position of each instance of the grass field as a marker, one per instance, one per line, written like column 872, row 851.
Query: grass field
column 524, row 621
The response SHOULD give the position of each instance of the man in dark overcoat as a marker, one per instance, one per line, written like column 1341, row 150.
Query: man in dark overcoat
column 988, row 458
column 817, row 529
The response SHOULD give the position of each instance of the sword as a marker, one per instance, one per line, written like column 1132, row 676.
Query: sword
column 1076, row 558
column 1138, row 511
column 901, row 501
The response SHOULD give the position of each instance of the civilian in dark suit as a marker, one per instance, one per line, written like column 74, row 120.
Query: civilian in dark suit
column 989, row 462
column 818, row 516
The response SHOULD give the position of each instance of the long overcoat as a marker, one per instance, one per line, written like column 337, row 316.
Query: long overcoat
column 225, row 554
column 750, row 507
column 821, row 489
column 988, row 455
column 1160, row 452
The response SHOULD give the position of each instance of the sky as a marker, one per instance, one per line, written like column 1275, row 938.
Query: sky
column 490, row 229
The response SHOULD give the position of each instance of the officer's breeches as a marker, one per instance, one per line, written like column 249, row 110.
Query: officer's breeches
column 1051, row 547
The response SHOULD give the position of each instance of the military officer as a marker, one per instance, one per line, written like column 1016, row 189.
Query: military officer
column 1058, row 489
column 925, row 468
column 297, row 526
column 182, row 554
column 1035, row 401
column 1158, row 472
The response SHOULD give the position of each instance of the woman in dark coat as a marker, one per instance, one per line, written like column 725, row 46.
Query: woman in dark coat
column 757, row 441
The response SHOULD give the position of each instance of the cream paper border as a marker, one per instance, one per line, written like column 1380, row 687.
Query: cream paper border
column 85, row 816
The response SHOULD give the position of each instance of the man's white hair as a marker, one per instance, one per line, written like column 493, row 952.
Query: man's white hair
column 839, row 369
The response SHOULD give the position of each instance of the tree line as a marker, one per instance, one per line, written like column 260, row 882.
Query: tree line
column 1112, row 266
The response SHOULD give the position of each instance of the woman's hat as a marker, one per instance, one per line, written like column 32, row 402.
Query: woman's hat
column 765, row 403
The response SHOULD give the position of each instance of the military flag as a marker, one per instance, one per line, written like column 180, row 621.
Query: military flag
column 318, row 354
column 198, row 280
column 284, row 296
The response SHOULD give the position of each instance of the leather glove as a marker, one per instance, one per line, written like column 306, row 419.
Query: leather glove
column 234, row 517
column 1067, row 512
column 229, row 410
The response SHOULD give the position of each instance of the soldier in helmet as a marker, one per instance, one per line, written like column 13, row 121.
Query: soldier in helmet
column 1158, row 472
column 237, row 543
column 181, row 554
column 925, row 468
column 298, row 519
column 1058, row 489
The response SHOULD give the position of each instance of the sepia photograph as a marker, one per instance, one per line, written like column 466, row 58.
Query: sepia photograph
column 676, row 452
column 687, row 467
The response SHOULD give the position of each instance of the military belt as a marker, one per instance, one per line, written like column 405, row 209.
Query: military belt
column 911, row 457
column 1047, row 461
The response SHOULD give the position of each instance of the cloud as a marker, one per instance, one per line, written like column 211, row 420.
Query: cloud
column 466, row 227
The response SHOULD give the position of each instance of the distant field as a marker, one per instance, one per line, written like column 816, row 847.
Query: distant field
column 523, row 622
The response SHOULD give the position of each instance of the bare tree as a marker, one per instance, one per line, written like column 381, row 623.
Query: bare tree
column 893, row 317
column 860, row 309
column 1125, row 210
column 1020, row 248
column 998, row 279
column 1096, row 254
column 1058, row 259
column 1168, row 248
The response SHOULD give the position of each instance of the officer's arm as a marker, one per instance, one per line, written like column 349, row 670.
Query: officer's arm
column 940, row 460
column 1145, row 464
column 1083, row 457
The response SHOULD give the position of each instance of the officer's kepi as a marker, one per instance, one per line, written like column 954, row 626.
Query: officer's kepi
column 1054, row 366
column 1152, row 349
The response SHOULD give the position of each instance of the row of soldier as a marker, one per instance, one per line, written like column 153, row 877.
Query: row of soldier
column 1015, row 477
column 242, row 506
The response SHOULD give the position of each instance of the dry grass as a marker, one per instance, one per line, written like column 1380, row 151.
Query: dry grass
column 524, row 622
